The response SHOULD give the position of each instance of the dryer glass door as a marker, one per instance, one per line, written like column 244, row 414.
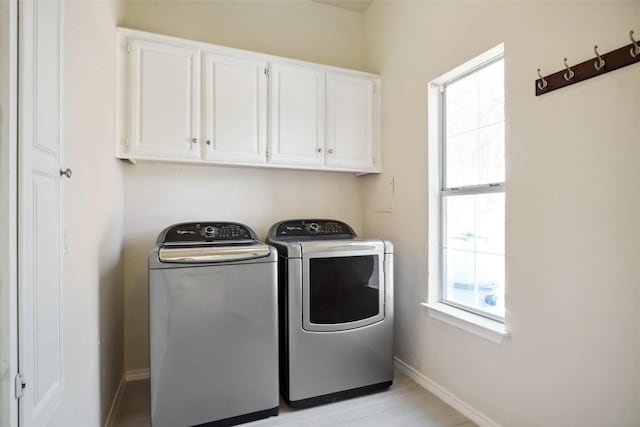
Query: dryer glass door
column 343, row 288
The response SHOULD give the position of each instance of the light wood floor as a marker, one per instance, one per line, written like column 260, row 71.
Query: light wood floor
column 404, row 404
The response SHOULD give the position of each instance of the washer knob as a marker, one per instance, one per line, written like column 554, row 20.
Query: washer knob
column 209, row 231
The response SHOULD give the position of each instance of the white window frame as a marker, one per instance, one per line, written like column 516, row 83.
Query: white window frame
column 477, row 322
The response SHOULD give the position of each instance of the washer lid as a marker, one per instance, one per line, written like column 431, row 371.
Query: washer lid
column 209, row 254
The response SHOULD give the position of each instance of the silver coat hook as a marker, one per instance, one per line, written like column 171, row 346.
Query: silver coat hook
column 635, row 50
column 542, row 84
column 599, row 64
column 570, row 72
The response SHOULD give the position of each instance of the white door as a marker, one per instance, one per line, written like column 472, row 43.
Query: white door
column 235, row 109
column 297, row 115
column 40, row 343
column 349, row 121
column 165, row 102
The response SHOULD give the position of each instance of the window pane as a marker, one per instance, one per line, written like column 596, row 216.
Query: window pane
column 474, row 130
column 462, row 159
column 475, row 222
column 489, row 215
column 474, row 251
column 490, row 277
column 460, row 222
column 461, row 107
column 460, row 276
column 491, row 154
column 491, row 94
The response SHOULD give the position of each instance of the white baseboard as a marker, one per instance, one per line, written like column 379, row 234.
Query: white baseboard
column 137, row 374
column 115, row 404
column 452, row 400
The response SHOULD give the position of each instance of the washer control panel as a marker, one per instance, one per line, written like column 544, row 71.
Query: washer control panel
column 206, row 232
column 312, row 229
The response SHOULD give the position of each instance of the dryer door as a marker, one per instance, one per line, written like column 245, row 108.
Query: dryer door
column 342, row 284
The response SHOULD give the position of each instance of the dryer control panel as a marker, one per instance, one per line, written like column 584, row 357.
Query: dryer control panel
column 191, row 233
column 309, row 229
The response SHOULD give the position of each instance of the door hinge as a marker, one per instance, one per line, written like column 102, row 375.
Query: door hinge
column 266, row 71
column 20, row 385
column 266, row 154
column 129, row 48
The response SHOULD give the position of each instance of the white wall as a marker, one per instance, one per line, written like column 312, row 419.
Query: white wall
column 573, row 215
column 297, row 29
column 158, row 195
column 93, row 292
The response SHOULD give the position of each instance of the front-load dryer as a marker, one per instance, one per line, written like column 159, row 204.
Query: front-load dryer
column 213, row 326
column 335, row 299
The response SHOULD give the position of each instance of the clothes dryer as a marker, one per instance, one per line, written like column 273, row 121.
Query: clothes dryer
column 335, row 296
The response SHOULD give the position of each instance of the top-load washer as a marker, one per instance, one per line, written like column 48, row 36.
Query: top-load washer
column 335, row 296
column 213, row 326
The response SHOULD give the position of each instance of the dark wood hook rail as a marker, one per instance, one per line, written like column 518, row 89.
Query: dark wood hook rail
column 596, row 66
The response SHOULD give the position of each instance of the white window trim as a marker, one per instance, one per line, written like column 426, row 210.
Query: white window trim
column 484, row 327
column 478, row 325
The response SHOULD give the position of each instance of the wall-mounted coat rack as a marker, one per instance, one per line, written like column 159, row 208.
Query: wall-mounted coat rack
column 600, row 64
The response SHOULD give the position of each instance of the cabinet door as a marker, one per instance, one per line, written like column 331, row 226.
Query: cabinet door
column 297, row 115
column 235, row 109
column 350, row 131
column 164, row 101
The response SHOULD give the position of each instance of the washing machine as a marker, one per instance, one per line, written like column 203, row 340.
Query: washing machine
column 213, row 326
column 335, row 296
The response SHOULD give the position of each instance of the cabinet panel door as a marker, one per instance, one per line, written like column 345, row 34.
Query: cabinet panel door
column 350, row 104
column 297, row 115
column 164, row 100
column 235, row 109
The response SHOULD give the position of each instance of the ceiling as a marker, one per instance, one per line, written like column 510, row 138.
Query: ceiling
column 355, row 5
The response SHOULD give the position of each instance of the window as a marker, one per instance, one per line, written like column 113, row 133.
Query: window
column 470, row 193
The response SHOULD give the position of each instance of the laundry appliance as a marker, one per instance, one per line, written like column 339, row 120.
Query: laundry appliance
column 213, row 326
column 335, row 297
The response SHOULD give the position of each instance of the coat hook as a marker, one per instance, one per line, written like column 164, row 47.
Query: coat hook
column 569, row 70
column 635, row 50
column 542, row 84
column 599, row 64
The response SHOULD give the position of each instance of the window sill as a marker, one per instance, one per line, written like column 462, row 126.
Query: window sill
column 477, row 325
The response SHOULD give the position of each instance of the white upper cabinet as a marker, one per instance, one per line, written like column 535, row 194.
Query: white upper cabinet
column 186, row 101
column 297, row 115
column 164, row 95
column 349, row 124
column 235, row 109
